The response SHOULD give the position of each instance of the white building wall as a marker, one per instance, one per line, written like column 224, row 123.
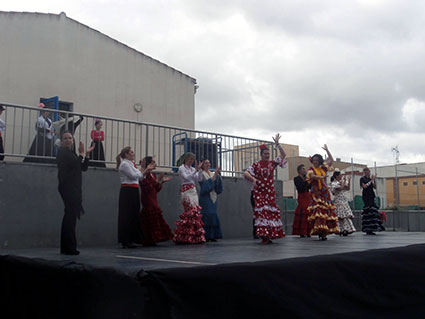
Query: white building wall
column 45, row 55
column 402, row 170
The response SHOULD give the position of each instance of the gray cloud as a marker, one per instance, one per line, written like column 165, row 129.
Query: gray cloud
column 349, row 73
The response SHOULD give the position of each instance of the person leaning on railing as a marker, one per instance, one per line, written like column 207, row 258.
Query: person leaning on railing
column 2, row 129
column 98, row 136
column 43, row 141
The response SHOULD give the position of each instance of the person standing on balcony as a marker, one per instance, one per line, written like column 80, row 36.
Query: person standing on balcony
column 321, row 210
column 190, row 226
column 2, row 129
column 371, row 219
column 43, row 142
column 301, row 226
column 98, row 136
column 211, row 186
column 267, row 217
column 339, row 188
column 70, row 167
column 129, row 228
column 154, row 227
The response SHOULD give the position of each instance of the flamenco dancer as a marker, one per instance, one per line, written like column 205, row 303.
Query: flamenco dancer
column 190, row 226
column 371, row 219
column 211, row 187
column 154, row 227
column 129, row 229
column 266, row 213
column 339, row 188
column 322, row 212
column 301, row 226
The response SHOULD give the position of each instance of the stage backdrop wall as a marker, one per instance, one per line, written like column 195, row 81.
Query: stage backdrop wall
column 31, row 209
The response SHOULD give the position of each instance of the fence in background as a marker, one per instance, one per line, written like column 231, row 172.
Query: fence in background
column 167, row 144
column 399, row 186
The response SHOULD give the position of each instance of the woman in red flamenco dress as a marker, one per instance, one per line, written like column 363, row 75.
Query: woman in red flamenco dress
column 267, row 218
column 190, row 228
column 322, row 212
column 154, row 227
column 301, row 226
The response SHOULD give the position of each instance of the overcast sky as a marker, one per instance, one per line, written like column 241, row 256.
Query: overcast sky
column 347, row 73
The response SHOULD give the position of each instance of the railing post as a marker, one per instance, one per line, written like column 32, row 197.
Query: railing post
column 147, row 141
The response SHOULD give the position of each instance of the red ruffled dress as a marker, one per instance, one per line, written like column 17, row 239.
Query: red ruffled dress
column 190, row 228
column 322, row 212
column 267, row 218
column 301, row 226
column 154, row 227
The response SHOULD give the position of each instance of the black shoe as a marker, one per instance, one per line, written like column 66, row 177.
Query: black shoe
column 322, row 237
column 130, row 245
column 70, row 252
column 370, row 233
column 213, row 240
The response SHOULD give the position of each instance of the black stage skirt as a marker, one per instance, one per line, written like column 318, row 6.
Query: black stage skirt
column 371, row 219
column 41, row 146
column 98, row 154
column 129, row 227
column 1, row 148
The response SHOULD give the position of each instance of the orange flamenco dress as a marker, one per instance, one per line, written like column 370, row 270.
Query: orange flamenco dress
column 321, row 210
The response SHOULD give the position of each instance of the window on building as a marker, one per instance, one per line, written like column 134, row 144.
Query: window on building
column 415, row 183
column 423, row 182
column 405, row 183
column 66, row 106
column 55, row 104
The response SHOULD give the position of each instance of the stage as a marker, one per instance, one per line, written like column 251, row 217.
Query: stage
column 296, row 277
column 170, row 255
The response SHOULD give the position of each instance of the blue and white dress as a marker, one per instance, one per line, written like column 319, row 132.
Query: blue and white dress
column 208, row 201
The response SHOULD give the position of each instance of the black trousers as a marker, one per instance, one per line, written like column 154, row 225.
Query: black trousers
column 1, row 148
column 69, row 222
column 254, row 229
column 129, row 225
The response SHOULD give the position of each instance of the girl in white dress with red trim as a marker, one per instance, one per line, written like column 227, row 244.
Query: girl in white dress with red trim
column 268, row 222
column 190, row 226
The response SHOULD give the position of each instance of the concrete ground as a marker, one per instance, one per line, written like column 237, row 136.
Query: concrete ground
column 169, row 255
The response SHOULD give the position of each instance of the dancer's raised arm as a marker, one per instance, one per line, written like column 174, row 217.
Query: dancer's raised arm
column 281, row 150
column 330, row 159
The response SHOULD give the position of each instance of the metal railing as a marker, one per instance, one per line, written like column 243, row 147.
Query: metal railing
column 23, row 139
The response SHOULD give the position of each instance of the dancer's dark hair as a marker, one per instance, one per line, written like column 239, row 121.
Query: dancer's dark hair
column 319, row 157
column 335, row 175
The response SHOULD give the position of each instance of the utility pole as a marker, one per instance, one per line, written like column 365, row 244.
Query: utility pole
column 417, row 188
column 396, row 154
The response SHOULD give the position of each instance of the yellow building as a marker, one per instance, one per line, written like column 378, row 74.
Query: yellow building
column 246, row 154
column 298, row 160
column 411, row 191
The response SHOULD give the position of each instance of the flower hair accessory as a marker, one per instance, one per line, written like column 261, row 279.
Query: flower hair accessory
column 263, row 147
column 310, row 159
column 41, row 105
